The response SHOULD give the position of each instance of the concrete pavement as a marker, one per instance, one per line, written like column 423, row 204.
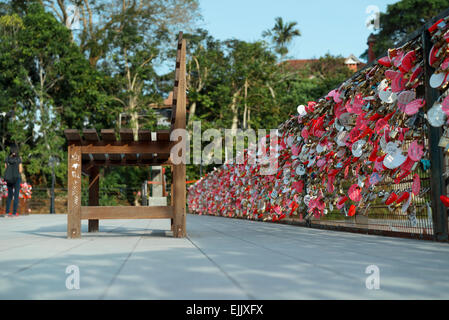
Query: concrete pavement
column 221, row 259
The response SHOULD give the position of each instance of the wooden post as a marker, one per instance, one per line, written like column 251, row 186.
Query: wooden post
column 179, row 223
column 74, row 192
column 179, row 170
column 437, row 183
column 94, row 193
column 171, row 196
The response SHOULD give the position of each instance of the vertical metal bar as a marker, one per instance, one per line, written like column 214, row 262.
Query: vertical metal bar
column 144, row 193
column 52, row 200
column 437, row 184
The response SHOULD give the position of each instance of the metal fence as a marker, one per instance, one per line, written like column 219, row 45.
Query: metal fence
column 427, row 216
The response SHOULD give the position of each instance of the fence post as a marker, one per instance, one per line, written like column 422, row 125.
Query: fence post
column 437, row 183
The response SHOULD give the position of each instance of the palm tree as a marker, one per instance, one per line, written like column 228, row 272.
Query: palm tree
column 281, row 35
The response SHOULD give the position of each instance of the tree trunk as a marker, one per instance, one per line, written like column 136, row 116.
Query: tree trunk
column 134, row 116
column 235, row 111
column 192, row 111
column 245, row 111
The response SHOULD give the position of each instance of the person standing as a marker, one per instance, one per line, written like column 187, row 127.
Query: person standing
column 14, row 169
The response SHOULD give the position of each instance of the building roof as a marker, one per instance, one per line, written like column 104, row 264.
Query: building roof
column 352, row 60
column 299, row 64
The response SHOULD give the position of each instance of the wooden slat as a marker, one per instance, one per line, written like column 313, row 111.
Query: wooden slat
column 139, row 162
column 72, row 135
column 146, row 156
column 91, row 135
column 180, row 112
column 151, row 147
column 162, row 157
column 179, row 62
column 102, row 213
column 144, row 135
column 108, row 136
column 126, row 135
column 163, row 135
column 130, row 157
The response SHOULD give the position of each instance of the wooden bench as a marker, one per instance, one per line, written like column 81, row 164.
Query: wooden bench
column 89, row 150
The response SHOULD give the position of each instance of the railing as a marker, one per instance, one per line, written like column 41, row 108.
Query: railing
column 420, row 215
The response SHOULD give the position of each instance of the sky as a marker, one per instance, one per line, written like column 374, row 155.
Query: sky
column 335, row 27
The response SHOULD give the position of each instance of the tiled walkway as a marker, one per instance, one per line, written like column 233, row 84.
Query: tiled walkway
column 220, row 259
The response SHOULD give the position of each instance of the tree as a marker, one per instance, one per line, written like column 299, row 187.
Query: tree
column 97, row 18
column 131, row 66
column 310, row 83
column 48, row 84
column 125, row 40
column 205, row 65
column 281, row 35
column 401, row 19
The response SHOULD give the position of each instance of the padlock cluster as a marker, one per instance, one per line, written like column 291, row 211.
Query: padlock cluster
column 348, row 150
column 25, row 191
column 3, row 188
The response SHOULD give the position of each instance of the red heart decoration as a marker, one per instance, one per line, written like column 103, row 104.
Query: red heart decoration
column 408, row 61
column 403, row 197
column 445, row 105
column 445, row 201
column 414, row 106
column 354, row 193
column 343, row 200
column 351, row 211
column 416, row 187
column 392, row 198
column 385, row 61
column 392, row 75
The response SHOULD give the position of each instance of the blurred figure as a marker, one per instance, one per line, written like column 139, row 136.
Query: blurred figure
column 14, row 169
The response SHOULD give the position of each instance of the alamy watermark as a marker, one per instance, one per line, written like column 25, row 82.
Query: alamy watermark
column 373, row 280
column 373, row 20
column 72, row 282
column 219, row 147
column 73, row 17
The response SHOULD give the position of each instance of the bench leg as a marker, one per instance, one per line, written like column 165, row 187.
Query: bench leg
column 94, row 196
column 179, row 201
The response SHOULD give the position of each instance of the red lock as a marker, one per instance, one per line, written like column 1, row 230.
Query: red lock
column 392, row 198
column 445, row 201
column 343, row 200
column 351, row 211
column 403, row 197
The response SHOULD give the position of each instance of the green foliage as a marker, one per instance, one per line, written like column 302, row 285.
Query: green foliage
column 49, row 86
column 402, row 18
column 53, row 78
column 236, row 84
column 281, row 35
